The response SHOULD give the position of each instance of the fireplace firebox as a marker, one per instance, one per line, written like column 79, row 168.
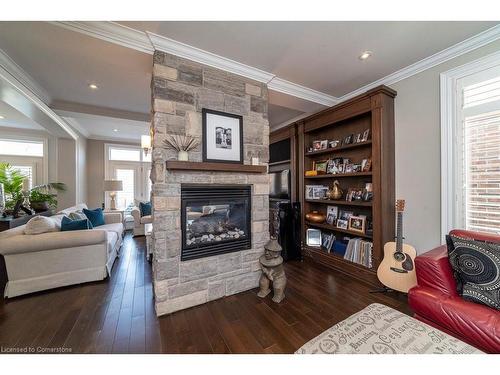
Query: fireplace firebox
column 215, row 219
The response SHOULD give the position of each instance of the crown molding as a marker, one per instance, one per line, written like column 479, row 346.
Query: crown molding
column 22, row 77
column 111, row 32
column 293, row 89
column 186, row 51
column 449, row 53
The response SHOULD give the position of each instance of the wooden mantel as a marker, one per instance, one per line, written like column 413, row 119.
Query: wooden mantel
column 215, row 167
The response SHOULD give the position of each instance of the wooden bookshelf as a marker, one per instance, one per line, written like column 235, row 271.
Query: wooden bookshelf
column 373, row 110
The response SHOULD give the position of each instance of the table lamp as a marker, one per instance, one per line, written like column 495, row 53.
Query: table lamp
column 112, row 186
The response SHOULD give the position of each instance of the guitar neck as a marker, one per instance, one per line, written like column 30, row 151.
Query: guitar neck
column 399, row 232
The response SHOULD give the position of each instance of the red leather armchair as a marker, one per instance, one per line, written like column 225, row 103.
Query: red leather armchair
column 436, row 302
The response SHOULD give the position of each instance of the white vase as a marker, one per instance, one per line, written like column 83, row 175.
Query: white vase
column 183, row 156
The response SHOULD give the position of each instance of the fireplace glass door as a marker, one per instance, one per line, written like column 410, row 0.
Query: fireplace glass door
column 215, row 220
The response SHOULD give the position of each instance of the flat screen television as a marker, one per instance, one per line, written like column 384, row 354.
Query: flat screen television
column 280, row 184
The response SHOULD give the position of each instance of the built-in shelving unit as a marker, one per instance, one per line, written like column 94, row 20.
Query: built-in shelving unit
column 373, row 110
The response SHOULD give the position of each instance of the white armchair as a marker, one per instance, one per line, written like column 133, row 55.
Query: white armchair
column 139, row 221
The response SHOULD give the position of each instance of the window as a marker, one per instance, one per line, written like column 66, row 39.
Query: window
column 27, row 172
column 471, row 145
column 29, row 156
column 481, row 172
column 21, row 148
column 130, row 165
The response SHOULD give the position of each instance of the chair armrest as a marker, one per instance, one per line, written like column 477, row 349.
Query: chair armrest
column 26, row 243
column 113, row 217
column 434, row 271
column 136, row 214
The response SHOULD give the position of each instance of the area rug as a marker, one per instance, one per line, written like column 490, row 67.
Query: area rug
column 379, row 329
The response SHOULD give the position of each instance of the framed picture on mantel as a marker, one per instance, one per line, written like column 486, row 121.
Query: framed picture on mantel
column 222, row 137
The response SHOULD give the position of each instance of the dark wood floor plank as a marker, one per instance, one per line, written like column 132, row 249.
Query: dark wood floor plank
column 118, row 314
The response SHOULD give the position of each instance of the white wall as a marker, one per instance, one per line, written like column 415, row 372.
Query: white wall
column 418, row 147
column 66, row 172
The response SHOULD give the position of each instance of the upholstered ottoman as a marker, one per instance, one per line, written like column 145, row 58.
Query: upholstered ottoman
column 379, row 329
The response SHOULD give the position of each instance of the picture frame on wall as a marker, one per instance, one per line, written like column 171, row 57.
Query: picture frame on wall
column 222, row 137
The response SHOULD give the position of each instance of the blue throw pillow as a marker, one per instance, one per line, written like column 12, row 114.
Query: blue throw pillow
column 68, row 224
column 145, row 208
column 96, row 216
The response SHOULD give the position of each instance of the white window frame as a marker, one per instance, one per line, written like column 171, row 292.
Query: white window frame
column 108, row 167
column 29, row 160
column 451, row 113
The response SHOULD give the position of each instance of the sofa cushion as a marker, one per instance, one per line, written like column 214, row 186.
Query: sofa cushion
column 95, row 216
column 40, row 224
column 146, row 219
column 145, row 208
column 473, row 323
column 67, row 224
column 476, row 266
column 113, row 227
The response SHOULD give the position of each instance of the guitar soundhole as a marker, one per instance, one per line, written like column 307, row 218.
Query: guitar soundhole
column 399, row 256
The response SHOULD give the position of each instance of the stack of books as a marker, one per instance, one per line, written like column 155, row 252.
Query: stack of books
column 359, row 251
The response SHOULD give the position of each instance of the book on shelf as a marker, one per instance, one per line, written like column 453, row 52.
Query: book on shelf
column 327, row 241
column 359, row 251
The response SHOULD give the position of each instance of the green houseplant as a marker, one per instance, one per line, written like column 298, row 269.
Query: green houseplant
column 42, row 197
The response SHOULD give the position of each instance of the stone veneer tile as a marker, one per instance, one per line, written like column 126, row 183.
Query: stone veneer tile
column 177, row 103
column 253, row 89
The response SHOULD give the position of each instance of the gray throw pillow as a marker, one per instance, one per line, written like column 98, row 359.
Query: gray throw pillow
column 77, row 215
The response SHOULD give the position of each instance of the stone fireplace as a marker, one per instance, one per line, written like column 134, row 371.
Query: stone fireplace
column 206, row 244
column 215, row 219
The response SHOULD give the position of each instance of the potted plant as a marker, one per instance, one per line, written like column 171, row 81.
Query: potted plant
column 42, row 197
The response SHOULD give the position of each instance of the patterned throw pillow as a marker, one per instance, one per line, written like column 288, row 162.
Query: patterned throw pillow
column 77, row 215
column 145, row 208
column 476, row 267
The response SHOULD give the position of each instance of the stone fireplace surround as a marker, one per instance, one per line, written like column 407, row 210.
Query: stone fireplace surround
column 180, row 90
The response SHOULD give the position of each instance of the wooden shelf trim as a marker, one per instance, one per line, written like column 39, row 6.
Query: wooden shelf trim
column 335, row 229
column 337, row 257
column 340, row 203
column 214, row 167
column 339, row 175
column 338, row 149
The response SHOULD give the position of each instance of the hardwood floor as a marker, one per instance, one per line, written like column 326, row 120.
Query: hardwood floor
column 117, row 315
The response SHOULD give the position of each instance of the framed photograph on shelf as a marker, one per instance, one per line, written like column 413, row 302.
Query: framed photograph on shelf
column 324, row 144
column 342, row 224
column 222, row 137
column 345, row 215
column 320, row 166
column 366, row 165
column 313, row 237
column 316, row 145
column 348, row 140
column 354, row 194
column 332, row 214
column 366, row 135
column 357, row 224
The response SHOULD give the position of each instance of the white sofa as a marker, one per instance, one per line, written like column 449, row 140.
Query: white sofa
column 139, row 221
column 55, row 259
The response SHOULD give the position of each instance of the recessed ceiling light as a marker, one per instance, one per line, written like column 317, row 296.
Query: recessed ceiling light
column 115, row 130
column 365, row 55
column 93, row 86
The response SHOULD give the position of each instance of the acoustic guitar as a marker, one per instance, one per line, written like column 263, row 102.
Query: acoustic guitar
column 397, row 270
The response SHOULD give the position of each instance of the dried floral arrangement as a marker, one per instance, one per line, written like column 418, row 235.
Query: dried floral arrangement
column 181, row 142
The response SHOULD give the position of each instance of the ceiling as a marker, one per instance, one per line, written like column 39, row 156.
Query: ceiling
column 15, row 119
column 318, row 55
